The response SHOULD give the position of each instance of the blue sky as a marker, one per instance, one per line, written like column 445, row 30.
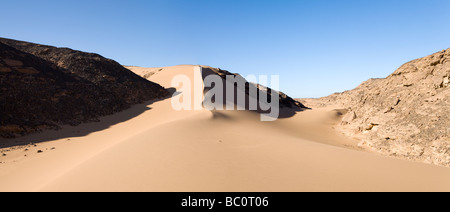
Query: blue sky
column 318, row 47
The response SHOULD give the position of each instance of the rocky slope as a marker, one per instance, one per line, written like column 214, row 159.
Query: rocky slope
column 405, row 114
column 44, row 87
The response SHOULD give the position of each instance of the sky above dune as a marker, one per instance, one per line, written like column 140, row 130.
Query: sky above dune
column 317, row 47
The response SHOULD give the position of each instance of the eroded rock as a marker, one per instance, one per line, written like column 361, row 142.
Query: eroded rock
column 411, row 107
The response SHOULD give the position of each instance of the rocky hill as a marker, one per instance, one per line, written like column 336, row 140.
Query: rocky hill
column 43, row 87
column 405, row 114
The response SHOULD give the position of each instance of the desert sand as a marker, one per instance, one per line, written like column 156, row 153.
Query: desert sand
column 151, row 147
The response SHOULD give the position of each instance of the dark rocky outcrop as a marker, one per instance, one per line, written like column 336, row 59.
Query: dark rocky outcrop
column 285, row 100
column 44, row 87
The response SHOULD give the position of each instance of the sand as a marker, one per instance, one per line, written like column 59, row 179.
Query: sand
column 152, row 147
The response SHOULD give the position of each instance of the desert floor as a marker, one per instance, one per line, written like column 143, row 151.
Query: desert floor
column 151, row 147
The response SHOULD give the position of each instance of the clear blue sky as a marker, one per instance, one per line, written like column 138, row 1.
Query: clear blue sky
column 318, row 47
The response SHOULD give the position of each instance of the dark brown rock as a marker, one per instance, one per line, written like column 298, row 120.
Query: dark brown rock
column 285, row 100
column 44, row 87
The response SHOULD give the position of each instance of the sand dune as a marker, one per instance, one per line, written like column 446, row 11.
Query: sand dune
column 161, row 149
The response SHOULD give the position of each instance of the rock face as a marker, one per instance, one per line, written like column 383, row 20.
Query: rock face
column 285, row 100
column 43, row 87
column 405, row 114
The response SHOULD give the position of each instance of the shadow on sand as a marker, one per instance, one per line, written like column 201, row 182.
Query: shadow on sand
column 85, row 128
